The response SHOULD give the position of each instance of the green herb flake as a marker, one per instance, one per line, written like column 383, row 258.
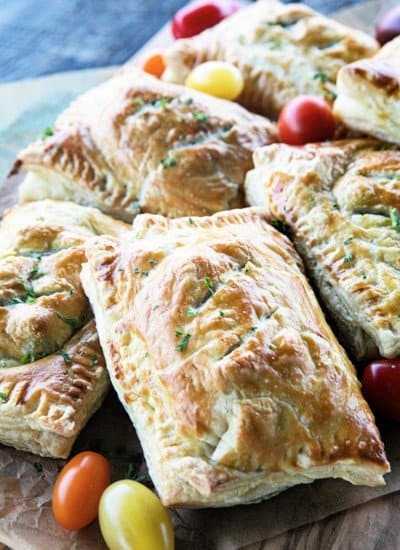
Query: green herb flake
column 155, row 307
column 348, row 241
column 140, row 101
column 188, row 101
column 75, row 322
column 47, row 132
column 191, row 311
column 168, row 163
column 253, row 329
column 30, row 294
column 94, row 360
column 135, row 206
column 221, row 313
column 272, row 346
column 152, row 262
column 395, row 218
column 281, row 226
column 65, row 356
column 200, row 117
column 38, row 467
column 348, row 258
column 183, row 343
column 178, row 332
column 179, row 119
column 36, row 273
column 322, row 77
column 3, row 397
column 28, row 358
column 208, row 284
column 162, row 102
column 65, row 371
column 190, row 221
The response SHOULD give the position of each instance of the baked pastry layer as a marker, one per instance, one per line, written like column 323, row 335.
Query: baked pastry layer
column 369, row 94
column 341, row 202
column 51, row 379
column 282, row 50
column 223, row 359
column 136, row 143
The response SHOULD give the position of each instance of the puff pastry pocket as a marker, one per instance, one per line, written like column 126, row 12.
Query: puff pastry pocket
column 341, row 202
column 282, row 50
column 135, row 143
column 222, row 357
column 52, row 373
column 369, row 94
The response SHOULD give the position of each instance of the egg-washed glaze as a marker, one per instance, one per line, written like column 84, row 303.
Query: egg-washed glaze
column 341, row 202
column 223, row 359
column 282, row 50
column 369, row 94
column 136, row 143
column 52, row 373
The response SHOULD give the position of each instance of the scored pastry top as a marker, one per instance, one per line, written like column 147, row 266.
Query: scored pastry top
column 135, row 143
column 224, row 361
column 282, row 50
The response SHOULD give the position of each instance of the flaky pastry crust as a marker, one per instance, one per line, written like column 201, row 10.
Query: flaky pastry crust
column 223, row 359
column 282, row 50
column 341, row 202
column 135, row 143
column 369, row 94
column 52, row 378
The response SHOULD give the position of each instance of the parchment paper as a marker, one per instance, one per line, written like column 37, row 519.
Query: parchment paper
column 26, row 481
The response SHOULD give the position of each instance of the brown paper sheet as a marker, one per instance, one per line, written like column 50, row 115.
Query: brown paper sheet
column 26, row 520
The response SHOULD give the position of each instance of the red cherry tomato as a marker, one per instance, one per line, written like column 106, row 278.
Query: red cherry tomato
column 153, row 63
column 388, row 26
column 381, row 387
column 199, row 16
column 306, row 119
column 78, row 489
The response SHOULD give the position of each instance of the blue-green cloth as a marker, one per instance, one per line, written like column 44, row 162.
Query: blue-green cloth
column 40, row 37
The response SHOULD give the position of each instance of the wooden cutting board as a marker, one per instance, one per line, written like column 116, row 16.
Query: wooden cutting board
column 26, row 520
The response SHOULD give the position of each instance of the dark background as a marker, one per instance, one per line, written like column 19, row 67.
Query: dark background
column 39, row 37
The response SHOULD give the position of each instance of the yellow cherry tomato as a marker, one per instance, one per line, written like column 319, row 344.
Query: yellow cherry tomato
column 216, row 78
column 132, row 518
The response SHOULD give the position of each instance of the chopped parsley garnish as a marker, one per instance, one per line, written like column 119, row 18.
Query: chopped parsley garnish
column 179, row 119
column 322, row 77
column 38, row 467
column 30, row 294
column 208, row 284
column 183, row 343
column 65, row 356
column 348, row 241
column 155, row 307
column 47, row 132
column 142, row 273
column 140, row 101
column 178, row 332
column 191, row 311
column 168, row 163
column 36, row 273
column 282, row 227
column 3, row 397
column 94, row 360
column 188, row 101
column 253, row 329
column 190, row 221
column 162, row 102
column 347, row 259
column 152, row 262
column 136, row 206
column 200, row 117
column 74, row 322
column 221, row 313
column 272, row 346
column 65, row 371
column 28, row 358
column 395, row 218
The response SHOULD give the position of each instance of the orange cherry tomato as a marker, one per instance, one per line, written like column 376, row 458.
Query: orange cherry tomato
column 78, row 489
column 153, row 63
column 306, row 119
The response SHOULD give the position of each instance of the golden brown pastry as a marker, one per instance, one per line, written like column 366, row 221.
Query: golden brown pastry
column 341, row 202
column 135, row 143
column 282, row 50
column 52, row 373
column 223, row 359
column 369, row 94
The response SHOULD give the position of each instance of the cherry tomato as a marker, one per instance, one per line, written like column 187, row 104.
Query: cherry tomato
column 388, row 26
column 306, row 119
column 381, row 387
column 216, row 78
column 153, row 63
column 132, row 518
column 78, row 489
column 199, row 16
